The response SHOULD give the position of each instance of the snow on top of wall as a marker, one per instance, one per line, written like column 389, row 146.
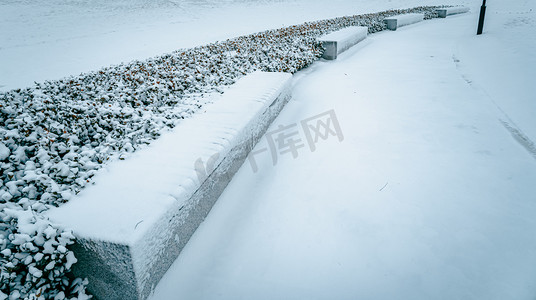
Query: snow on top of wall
column 407, row 18
column 344, row 33
column 130, row 195
column 456, row 10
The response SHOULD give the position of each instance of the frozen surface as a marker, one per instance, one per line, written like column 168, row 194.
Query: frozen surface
column 144, row 187
column 50, row 39
column 427, row 197
column 498, row 64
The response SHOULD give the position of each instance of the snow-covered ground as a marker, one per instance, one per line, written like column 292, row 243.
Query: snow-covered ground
column 429, row 195
column 50, row 39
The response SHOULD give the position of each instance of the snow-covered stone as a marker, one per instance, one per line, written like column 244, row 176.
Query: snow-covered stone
column 134, row 222
column 339, row 41
column 4, row 151
column 402, row 20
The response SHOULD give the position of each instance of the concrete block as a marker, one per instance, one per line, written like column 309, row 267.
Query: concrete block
column 402, row 20
column 444, row 12
column 341, row 40
column 133, row 223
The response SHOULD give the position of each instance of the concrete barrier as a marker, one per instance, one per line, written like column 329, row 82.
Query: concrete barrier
column 444, row 12
column 339, row 41
column 133, row 223
column 402, row 20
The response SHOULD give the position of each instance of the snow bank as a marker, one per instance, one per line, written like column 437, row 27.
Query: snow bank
column 402, row 20
column 339, row 41
column 444, row 12
column 142, row 211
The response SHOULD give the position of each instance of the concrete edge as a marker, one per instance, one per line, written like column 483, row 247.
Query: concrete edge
column 335, row 46
column 444, row 12
column 113, row 268
column 397, row 21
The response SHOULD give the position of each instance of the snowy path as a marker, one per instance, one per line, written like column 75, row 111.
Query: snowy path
column 427, row 197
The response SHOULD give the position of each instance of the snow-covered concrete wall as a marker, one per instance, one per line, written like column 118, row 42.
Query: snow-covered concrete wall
column 339, row 41
column 133, row 223
column 402, row 20
column 444, row 12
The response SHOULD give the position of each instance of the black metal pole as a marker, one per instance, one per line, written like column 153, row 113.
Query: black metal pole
column 481, row 19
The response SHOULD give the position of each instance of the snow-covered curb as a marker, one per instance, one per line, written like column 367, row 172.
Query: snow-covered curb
column 444, row 12
column 133, row 223
column 402, row 20
column 339, row 41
